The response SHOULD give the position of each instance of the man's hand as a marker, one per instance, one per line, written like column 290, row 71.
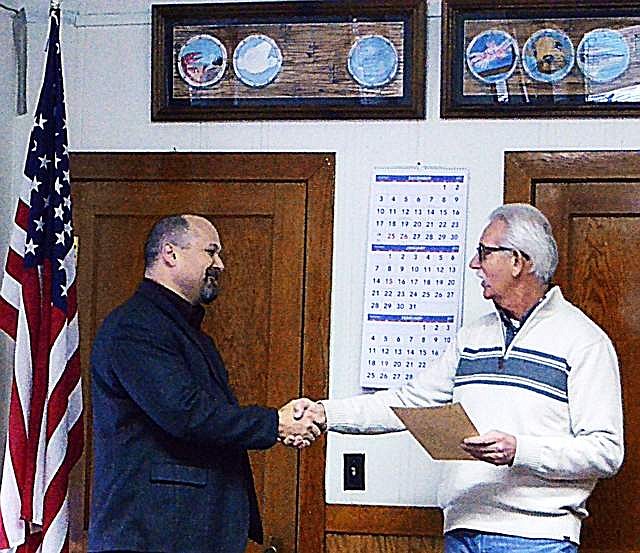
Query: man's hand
column 497, row 448
column 306, row 406
column 299, row 424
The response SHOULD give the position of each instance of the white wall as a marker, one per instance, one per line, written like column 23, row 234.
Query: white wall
column 106, row 48
column 8, row 88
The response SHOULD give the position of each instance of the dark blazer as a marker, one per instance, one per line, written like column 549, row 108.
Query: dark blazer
column 171, row 470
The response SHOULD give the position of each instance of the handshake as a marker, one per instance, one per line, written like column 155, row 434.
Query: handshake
column 300, row 422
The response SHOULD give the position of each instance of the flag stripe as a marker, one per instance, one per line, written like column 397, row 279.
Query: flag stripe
column 17, row 439
column 22, row 215
column 11, row 288
column 64, row 388
column 9, row 316
column 10, row 535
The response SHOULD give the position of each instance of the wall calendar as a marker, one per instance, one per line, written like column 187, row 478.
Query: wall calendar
column 415, row 267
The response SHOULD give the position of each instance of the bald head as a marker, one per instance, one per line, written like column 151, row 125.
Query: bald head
column 182, row 252
column 171, row 229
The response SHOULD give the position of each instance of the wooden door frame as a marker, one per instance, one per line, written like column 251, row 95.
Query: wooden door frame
column 316, row 171
column 522, row 170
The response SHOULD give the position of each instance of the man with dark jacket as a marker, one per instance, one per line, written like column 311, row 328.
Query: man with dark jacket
column 171, row 469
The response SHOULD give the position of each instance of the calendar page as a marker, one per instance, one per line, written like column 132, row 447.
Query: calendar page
column 415, row 267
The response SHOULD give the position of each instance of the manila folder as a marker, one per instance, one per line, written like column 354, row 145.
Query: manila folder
column 440, row 430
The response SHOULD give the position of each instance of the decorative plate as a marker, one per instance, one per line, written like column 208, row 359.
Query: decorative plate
column 202, row 61
column 603, row 55
column 492, row 56
column 257, row 60
column 372, row 61
column 548, row 55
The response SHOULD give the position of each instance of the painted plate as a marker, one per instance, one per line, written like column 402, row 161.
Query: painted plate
column 603, row 55
column 548, row 55
column 257, row 60
column 372, row 61
column 492, row 56
column 202, row 61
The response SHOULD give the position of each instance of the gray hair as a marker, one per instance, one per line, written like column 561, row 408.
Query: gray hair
column 173, row 229
column 529, row 231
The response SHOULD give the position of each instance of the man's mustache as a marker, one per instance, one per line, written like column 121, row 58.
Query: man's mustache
column 213, row 272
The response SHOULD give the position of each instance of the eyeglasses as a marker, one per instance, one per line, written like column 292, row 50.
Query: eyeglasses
column 483, row 251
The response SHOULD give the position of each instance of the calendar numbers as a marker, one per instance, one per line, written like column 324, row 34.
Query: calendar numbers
column 415, row 261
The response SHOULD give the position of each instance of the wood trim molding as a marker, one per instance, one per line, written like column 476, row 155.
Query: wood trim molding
column 390, row 521
column 317, row 302
column 284, row 167
column 563, row 165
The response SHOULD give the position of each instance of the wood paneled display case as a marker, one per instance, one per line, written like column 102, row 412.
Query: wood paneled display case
column 541, row 58
column 288, row 60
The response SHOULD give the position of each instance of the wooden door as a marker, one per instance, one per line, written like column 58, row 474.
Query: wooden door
column 592, row 200
column 271, row 319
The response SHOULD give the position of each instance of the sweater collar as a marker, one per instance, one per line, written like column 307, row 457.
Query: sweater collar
column 552, row 296
column 192, row 314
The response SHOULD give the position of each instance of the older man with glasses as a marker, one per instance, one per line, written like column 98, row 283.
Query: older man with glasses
column 541, row 382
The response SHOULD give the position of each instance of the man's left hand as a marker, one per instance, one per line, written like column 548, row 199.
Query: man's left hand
column 497, row 448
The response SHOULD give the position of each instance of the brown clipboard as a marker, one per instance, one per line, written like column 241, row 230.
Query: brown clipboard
column 440, row 430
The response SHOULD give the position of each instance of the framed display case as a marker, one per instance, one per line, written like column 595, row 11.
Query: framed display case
column 540, row 58
column 288, row 60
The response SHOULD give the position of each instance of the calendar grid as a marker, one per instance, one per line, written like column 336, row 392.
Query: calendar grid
column 415, row 262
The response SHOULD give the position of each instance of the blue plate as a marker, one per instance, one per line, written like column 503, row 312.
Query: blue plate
column 202, row 61
column 257, row 60
column 548, row 55
column 603, row 55
column 373, row 61
column 492, row 56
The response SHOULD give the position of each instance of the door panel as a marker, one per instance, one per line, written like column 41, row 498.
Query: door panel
column 258, row 319
column 592, row 200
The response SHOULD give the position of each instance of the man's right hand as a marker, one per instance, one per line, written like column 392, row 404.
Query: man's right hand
column 298, row 426
column 309, row 422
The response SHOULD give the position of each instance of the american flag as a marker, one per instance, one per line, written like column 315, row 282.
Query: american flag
column 38, row 310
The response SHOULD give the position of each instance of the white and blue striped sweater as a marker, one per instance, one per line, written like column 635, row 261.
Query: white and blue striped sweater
column 556, row 388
